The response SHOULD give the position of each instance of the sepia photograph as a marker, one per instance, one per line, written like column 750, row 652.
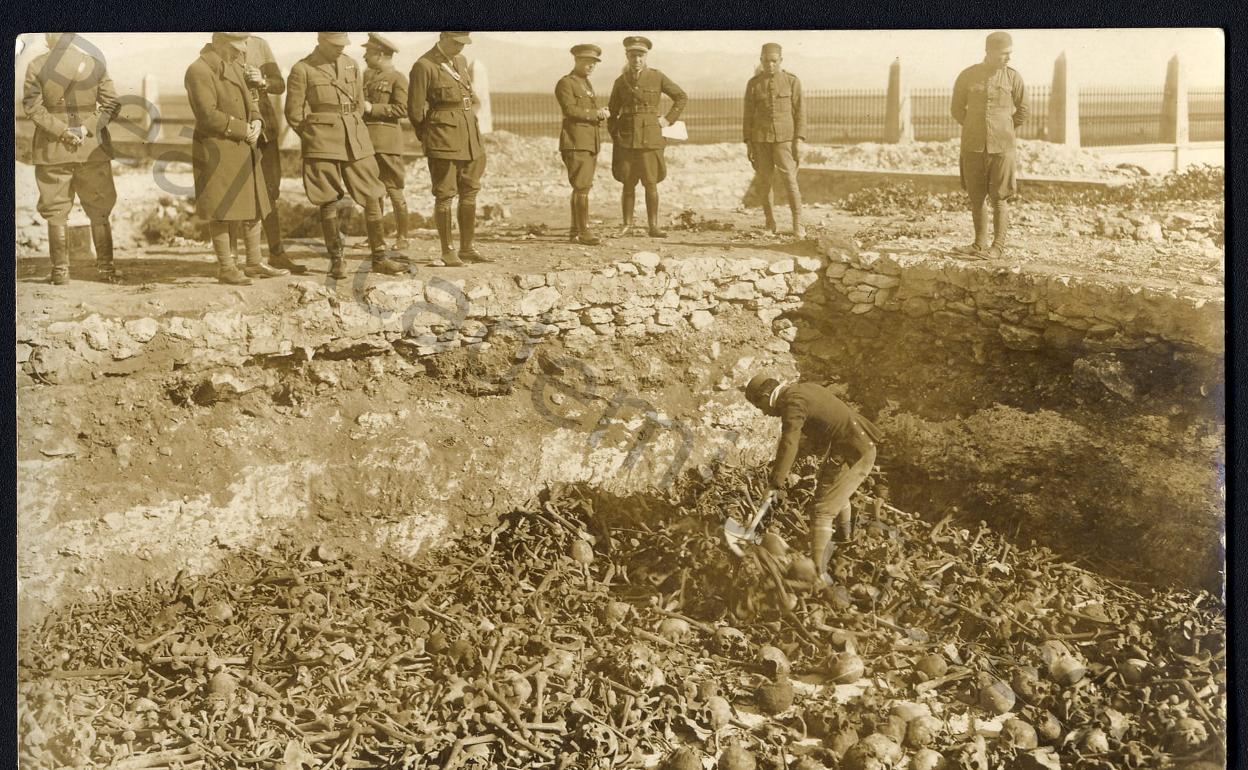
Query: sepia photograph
column 679, row 399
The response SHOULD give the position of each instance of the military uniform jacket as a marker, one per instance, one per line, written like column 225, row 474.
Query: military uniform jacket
column 443, row 107
column 325, row 106
column 634, row 105
column 773, row 108
column 580, row 114
column 989, row 104
column 259, row 54
column 66, row 87
column 386, row 90
column 815, row 410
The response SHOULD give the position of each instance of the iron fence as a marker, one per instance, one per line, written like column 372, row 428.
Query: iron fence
column 1109, row 116
column 1206, row 114
column 933, row 121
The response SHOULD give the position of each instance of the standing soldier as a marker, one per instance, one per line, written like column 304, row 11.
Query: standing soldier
column 579, row 140
column 989, row 103
column 325, row 105
column 265, row 77
column 386, row 91
column 442, row 107
column 229, row 179
column 69, row 97
column 636, row 130
column 775, row 127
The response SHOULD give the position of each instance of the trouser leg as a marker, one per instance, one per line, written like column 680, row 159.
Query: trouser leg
column 1000, row 222
column 795, row 203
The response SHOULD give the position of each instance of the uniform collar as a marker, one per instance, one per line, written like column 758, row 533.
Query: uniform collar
column 775, row 394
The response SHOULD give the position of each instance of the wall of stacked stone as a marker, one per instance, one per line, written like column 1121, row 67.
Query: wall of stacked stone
column 1025, row 308
column 645, row 296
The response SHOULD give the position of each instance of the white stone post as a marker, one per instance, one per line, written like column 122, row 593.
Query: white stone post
column 1174, row 128
column 1063, row 123
column 897, row 126
column 481, row 86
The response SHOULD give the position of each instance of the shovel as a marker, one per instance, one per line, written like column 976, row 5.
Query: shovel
column 736, row 534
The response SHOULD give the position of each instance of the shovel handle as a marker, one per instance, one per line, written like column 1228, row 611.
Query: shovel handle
column 760, row 513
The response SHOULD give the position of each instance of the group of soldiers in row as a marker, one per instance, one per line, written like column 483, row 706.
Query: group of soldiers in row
column 350, row 126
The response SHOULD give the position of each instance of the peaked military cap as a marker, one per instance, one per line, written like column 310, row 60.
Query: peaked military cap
column 458, row 37
column 998, row 40
column 333, row 38
column 637, row 43
column 235, row 39
column 379, row 41
column 771, row 48
column 588, row 51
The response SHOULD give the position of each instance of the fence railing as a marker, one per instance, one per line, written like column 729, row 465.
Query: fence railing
column 1206, row 114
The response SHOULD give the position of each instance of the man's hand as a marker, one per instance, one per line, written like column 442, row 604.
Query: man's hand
column 72, row 137
column 603, row 113
column 254, row 128
column 255, row 77
column 663, row 122
column 798, row 146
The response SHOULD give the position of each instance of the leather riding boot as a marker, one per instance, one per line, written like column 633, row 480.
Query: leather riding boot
column 102, row 237
column 652, row 213
column 278, row 257
column 58, row 253
column 442, row 216
column 400, row 218
column 628, row 204
column 467, row 214
column 381, row 263
column 584, row 234
column 574, row 231
column 256, row 266
column 333, row 241
column 227, row 270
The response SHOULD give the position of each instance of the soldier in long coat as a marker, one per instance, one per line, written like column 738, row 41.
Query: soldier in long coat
column 385, row 88
column 265, row 78
column 443, row 109
column 225, row 159
column 636, row 130
column 69, row 97
column 325, row 105
column 579, row 138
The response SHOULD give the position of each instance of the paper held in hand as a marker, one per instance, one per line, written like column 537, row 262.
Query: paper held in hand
column 676, row 132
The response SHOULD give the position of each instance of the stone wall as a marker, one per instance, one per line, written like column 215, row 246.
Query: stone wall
column 647, row 295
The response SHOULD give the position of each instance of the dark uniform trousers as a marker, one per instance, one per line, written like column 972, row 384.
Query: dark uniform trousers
column 67, row 88
column 441, row 104
column 774, row 115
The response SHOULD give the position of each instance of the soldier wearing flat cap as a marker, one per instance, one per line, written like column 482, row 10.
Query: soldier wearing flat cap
column 579, row 138
column 636, row 129
column 442, row 106
column 385, row 88
column 265, row 78
column 230, row 190
column 70, row 98
column 989, row 103
column 325, row 105
column 774, row 126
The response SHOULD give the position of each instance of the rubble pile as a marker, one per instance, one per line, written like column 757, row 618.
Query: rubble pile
column 588, row 631
column 1034, row 158
column 1206, row 230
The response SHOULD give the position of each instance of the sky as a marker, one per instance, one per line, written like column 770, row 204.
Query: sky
column 836, row 58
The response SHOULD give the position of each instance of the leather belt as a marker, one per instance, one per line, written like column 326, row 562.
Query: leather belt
column 465, row 103
column 334, row 109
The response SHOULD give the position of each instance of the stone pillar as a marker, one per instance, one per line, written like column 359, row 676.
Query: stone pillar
column 1174, row 105
column 897, row 125
column 1063, row 122
column 481, row 86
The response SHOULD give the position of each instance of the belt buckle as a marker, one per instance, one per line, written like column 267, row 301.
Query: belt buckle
column 467, row 103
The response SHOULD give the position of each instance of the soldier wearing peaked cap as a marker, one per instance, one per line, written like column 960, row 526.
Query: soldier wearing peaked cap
column 385, row 88
column 230, row 190
column 325, row 105
column 774, row 126
column 830, row 426
column 442, row 107
column 636, row 129
column 989, row 102
column 579, row 138
column 265, row 78
column 69, row 97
